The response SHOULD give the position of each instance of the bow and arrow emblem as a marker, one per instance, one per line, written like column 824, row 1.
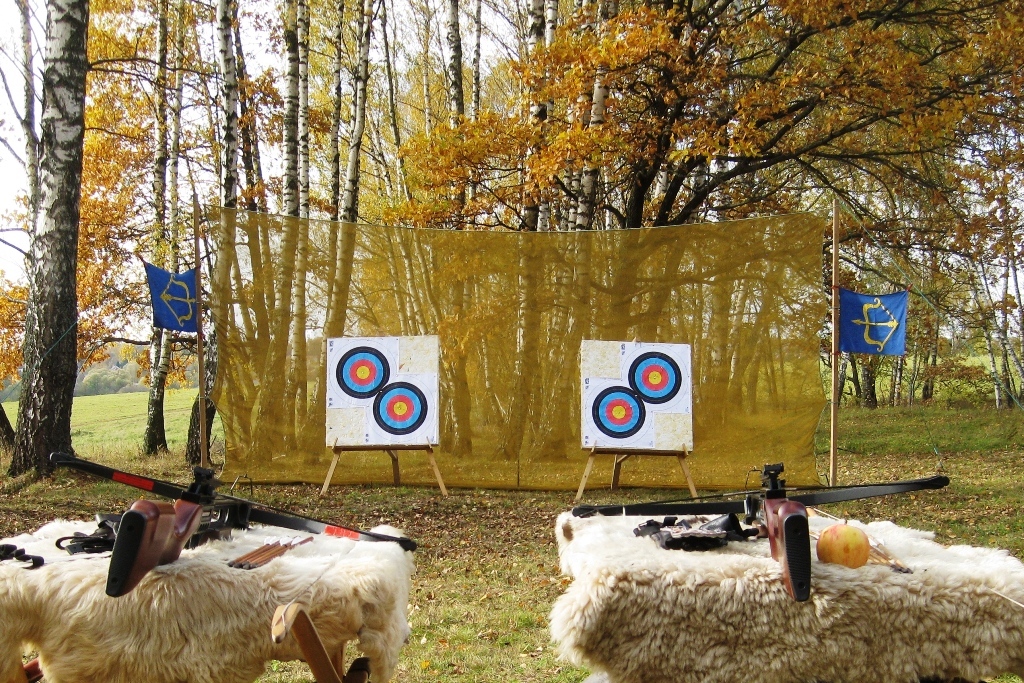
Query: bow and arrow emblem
column 892, row 323
column 168, row 295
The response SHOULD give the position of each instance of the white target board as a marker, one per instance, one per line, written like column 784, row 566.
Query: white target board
column 382, row 391
column 636, row 396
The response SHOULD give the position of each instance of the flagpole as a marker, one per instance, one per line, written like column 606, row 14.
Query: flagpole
column 834, row 418
column 203, row 459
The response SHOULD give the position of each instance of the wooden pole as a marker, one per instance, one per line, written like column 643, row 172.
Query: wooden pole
column 834, row 417
column 204, row 460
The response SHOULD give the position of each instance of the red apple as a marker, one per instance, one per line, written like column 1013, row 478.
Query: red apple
column 844, row 544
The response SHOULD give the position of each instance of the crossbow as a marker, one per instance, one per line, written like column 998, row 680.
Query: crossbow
column 153, row 533
column 782, row 518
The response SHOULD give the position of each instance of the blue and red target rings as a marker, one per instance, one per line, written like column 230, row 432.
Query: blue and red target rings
column 362, row 371
column 400, row 408
column 618, row 412
column 654, row 376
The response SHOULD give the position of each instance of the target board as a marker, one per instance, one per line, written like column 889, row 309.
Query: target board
column 382, row 391
column 636, row 396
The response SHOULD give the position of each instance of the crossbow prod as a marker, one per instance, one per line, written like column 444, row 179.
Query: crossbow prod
column 778, row 516
column 151, row 533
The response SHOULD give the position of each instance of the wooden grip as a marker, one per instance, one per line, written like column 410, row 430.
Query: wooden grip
column 151, row 533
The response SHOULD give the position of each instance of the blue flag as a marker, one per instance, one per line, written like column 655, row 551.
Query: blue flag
column 174, row 298
column 873, row 324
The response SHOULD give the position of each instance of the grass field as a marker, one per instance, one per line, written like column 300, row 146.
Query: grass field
column 487, row 568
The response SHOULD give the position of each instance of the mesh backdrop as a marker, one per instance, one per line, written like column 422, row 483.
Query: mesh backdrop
column 510, row 310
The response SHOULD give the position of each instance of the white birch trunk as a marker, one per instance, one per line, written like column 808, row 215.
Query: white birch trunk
column 396, row 131
column 477, row 32
column 28, row 117
column 333, row 143
column 350, row 198
column 51, row 317
column 229, row 102
column 297, row 372
column 456, row 93
column 154, row 439
column 291, row 110
column 302, row 30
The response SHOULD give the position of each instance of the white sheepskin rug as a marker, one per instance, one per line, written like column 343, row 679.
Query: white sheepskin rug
column 197, row 619
column 639, row 614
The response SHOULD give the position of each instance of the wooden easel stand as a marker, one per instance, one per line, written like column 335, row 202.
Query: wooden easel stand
column 622, row 457
column 338, row 450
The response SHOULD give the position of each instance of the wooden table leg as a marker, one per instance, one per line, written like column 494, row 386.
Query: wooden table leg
column 586, row 475
column 437, row 472
column 293, row 619
column 330, row 472
column 339, row 659
column 686, row 473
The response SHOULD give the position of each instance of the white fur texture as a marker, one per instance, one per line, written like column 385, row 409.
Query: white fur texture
column 641, row 614
column 197, row 619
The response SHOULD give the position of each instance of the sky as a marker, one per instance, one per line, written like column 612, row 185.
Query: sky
column 14, row 179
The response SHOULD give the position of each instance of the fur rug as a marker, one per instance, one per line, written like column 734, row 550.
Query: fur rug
column 636, row 613
column 197, row 619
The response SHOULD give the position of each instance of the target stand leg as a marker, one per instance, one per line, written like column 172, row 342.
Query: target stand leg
column 330, row 472
column 394, row 466
column 619, row 459
column 686, row 473
column 437, row 472
column 586, row 474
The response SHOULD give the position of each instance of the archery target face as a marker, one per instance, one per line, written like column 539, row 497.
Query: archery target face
column 362, row 371
column 636, row 396
column 382, row 391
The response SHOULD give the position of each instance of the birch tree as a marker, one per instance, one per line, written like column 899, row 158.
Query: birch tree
column 155, row 437
column 360, row 79
column 51, row 317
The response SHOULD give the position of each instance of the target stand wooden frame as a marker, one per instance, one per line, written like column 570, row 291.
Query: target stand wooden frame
column 621, row 457
column 391, row 451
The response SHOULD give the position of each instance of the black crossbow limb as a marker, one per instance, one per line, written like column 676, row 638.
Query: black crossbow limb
column 152, row 533
column 780, row 517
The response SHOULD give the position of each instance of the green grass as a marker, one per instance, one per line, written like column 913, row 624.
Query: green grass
column 487, row 568
column 117, row 422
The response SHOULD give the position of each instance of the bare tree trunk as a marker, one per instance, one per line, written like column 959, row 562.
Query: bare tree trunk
column 897, row 381
column 477, row 32
column 428, row 18
column 396, row 131
column 158, row 385
column 154, row 439
column 854, row 377
column 291, row 110
column 256, row 191
column 6, row 432
column 297, row 371
column 51, row 317
column 334, row 145
column 229, row 102
column 226, row 11
column 28, row 117
column 456, row 93
column 539, row 113
column 588, row 181
column 302, row 31
column 350, row 198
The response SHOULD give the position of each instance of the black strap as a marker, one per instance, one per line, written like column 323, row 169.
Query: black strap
column 821, row 497
column 13, row 552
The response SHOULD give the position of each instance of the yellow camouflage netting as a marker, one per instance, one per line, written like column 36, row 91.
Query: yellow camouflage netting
column 510, row 310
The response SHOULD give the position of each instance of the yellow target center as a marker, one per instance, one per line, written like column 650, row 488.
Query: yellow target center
column 362, row 372
column 654, row 377
column 619, row 412
column 401, row 408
